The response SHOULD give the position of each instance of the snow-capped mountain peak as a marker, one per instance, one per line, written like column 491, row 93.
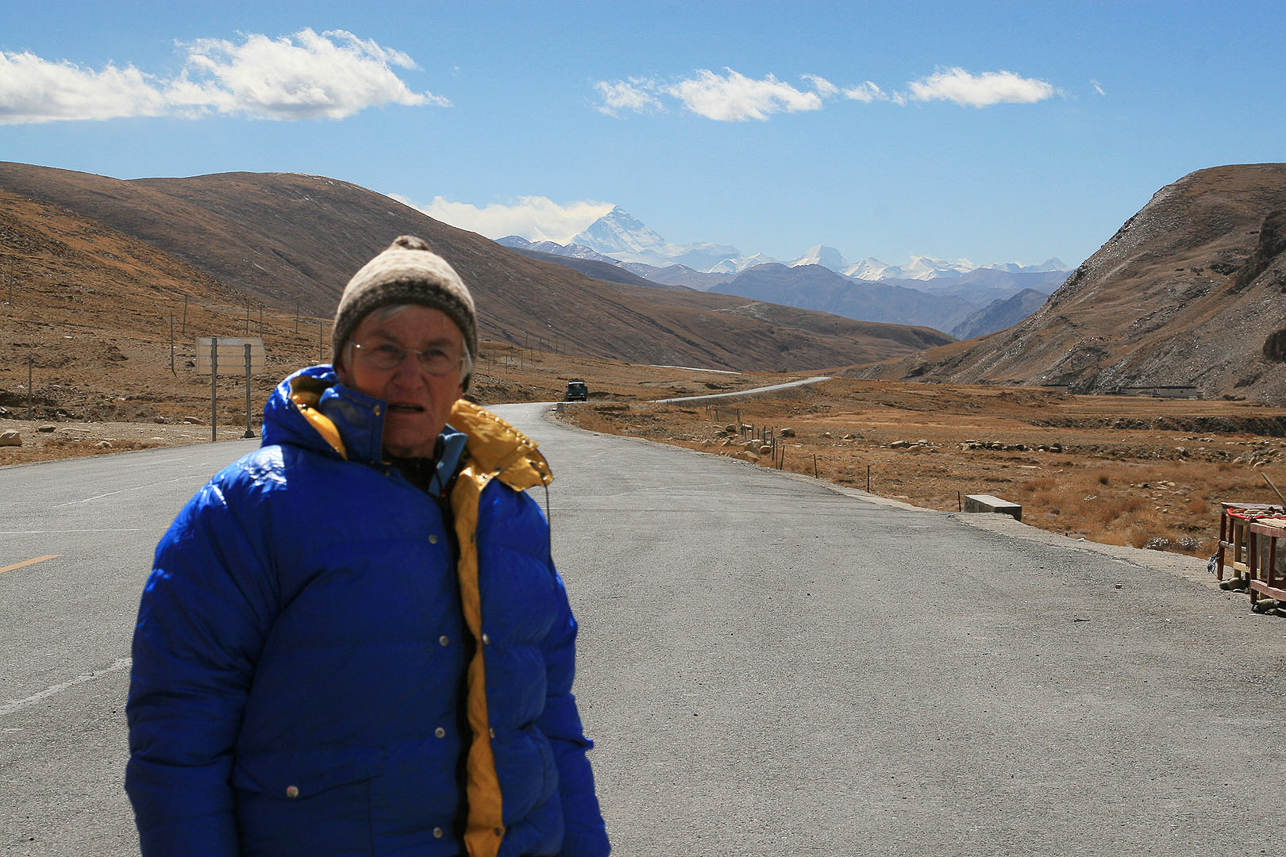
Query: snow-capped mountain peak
column 619, row 232
column 827, row 257
column 622, row 236
column 1051, row 264
column 869, row 268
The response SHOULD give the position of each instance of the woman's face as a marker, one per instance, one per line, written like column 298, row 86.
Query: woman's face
column 419, row 403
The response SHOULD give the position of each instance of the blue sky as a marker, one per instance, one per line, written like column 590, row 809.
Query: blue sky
column 996, row 132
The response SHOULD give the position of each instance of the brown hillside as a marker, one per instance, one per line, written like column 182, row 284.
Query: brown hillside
column 291, row 242
column 1190, row 292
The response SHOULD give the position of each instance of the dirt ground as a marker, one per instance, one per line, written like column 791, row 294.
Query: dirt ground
column 1117, row 470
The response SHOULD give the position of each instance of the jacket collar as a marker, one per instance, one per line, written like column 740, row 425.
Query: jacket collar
column 499, row 449
column 312, row 409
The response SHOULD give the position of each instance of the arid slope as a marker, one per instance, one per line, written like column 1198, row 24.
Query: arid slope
column 1190, row 292
column 291, row 241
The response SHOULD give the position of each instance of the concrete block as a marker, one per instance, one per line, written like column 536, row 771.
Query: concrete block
column 988, row 503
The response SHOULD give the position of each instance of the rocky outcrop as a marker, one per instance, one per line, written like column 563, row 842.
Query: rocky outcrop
column 1272, row 244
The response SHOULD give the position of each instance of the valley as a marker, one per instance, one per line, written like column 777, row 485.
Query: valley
column 107, row 285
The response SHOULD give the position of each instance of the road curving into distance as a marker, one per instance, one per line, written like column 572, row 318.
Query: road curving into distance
column 757, row 390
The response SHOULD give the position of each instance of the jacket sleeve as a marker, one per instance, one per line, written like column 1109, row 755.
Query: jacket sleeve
column 204, row 615
column 585, row 833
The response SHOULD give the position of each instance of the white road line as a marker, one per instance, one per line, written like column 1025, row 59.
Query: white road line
column 62, row 531
column 122, row 491
column 13, row 705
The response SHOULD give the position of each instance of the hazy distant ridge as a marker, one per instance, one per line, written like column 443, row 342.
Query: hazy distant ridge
column 869, row 290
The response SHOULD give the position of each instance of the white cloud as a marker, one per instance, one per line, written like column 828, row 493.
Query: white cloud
column 34, row 90
column 308, row 75
column 535, row 218
column 332, row 75
column 633, row 95
column 982, row 90
column 1098, row 87
column 733, row 97
column 866, row 93
column 824, row 87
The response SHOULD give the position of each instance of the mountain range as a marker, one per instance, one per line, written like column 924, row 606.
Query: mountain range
column 291, row 241
column 622, row 239
column 1188, row 297
column 955, row 297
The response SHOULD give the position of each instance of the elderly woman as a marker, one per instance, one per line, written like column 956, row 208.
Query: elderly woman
column 353, row 640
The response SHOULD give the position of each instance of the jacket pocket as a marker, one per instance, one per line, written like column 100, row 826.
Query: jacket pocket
column 302, row 774
column 306, row 802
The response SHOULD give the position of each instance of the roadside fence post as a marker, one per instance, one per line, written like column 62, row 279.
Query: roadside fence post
column 214, row 388
column 250, row 432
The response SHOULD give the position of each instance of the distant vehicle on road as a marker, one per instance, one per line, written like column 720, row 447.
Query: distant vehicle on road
column 577, row 391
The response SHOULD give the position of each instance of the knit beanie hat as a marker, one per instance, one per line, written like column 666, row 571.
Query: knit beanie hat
column 408, row 272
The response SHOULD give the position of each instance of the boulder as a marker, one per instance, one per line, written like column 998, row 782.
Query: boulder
column 45, row 428
column 10, row 438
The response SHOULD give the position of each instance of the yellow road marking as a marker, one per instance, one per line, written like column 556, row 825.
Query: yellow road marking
column 29, row 562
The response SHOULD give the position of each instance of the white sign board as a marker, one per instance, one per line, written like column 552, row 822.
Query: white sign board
column 231, row 355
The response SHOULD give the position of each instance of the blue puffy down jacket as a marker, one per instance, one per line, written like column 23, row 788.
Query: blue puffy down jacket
column 315, row 673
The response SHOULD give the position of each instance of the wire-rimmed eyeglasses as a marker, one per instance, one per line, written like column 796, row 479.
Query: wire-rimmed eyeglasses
column 390, row 355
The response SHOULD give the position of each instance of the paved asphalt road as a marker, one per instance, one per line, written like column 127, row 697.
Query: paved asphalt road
column 769, row 666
